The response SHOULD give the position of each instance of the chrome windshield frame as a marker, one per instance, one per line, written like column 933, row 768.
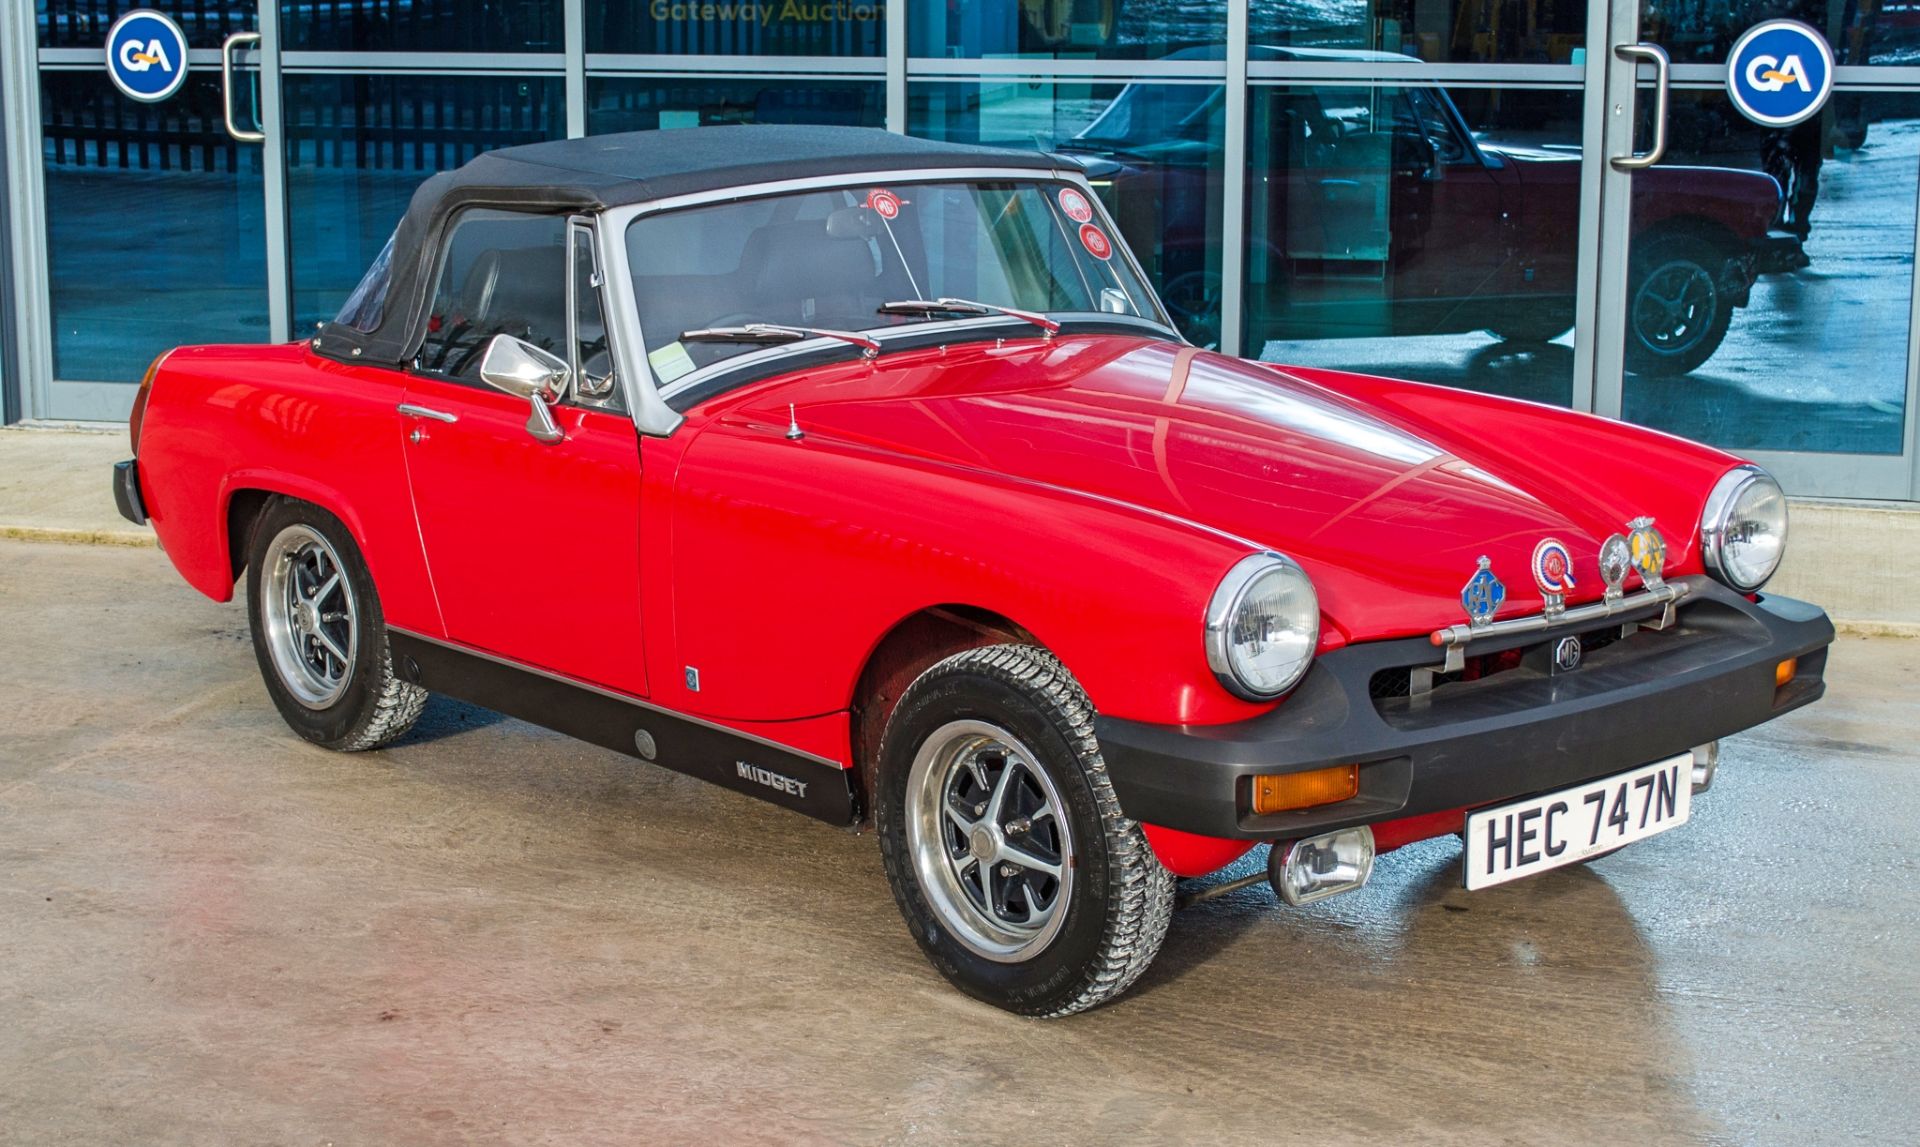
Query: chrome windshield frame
column 625, row 325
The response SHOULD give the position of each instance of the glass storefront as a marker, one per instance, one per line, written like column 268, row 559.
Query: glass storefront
column 1417, row 231
column 1420, row 188
column 1152, row 151
column 1813, row 357
column 357, row 146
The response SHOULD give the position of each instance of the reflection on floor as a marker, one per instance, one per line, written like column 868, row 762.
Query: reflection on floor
column 1817, row 361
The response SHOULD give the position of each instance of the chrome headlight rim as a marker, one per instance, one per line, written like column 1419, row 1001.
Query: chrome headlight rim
column 1225, row 605
column 1717, row 516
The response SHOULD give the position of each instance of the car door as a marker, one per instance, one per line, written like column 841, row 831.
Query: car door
column 533, row 547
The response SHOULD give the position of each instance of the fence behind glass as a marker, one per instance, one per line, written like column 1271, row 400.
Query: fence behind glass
column 154, row 230
column 358, row 145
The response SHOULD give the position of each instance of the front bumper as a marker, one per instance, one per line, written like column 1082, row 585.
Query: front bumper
column 1634, row 699
column 126, row 492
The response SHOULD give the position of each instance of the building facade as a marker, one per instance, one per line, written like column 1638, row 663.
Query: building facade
column 1444, row 190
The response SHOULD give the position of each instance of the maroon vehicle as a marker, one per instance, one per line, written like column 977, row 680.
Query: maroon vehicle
column 1385, row 215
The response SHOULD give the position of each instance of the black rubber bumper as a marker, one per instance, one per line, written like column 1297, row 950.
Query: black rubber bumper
column 1525, row 730
column 126, row 492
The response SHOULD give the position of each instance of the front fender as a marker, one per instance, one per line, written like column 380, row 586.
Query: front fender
column 846, row 540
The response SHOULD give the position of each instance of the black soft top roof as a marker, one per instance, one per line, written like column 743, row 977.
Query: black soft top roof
column 584, row 175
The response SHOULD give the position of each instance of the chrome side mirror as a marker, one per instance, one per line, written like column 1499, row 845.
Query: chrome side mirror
column 519, row 368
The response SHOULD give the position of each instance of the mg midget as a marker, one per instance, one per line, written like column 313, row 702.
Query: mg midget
column 866, row 476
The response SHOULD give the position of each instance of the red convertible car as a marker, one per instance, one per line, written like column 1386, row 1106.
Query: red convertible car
column 866, row 476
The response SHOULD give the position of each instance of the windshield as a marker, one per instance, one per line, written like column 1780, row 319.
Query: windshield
column 834, row 259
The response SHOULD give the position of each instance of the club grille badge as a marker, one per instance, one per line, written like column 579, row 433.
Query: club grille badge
column 1553, row 573
column 1482, row 595
column 1616, row 558
column 1566, row 654
column 1648, row 551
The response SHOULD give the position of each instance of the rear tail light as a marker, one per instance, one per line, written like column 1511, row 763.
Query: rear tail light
column 139, row 412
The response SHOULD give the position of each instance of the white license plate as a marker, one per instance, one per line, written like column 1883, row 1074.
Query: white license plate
column 1573, row 824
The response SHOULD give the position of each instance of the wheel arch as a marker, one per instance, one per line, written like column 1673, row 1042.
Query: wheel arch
column 914, row 643
column 1692, row 226
column 245, row 499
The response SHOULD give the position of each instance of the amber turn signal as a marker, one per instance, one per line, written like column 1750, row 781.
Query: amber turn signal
column 1285, row 791
column 1783, row 672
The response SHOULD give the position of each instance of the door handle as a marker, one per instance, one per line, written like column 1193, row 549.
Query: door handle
column 226, row 86
column 1657, row 56
column 412, row 411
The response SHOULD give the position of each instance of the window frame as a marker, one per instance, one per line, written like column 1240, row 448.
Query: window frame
column 442, row 264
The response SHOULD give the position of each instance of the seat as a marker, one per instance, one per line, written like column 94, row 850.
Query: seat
column 798, row 273
column 518, row 291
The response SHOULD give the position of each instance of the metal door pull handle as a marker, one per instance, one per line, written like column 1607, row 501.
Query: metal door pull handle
column 226, row 85
column 1657, row 56
column 412, row 411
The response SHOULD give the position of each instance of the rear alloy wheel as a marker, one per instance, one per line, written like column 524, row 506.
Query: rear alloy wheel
column 319, row 635
column 1677, row 315
column 1003, row 840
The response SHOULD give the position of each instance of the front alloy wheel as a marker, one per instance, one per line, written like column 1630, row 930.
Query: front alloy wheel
column 989, row 842
column 1006, row 849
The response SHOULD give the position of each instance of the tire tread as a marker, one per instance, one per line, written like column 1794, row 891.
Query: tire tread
column 1140, row 889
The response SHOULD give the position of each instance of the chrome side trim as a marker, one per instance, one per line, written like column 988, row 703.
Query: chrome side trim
column 623, row 698
column 1454, row 638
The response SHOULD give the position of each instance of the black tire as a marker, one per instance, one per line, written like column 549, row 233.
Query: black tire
column 1677, row 310
column 1112, row 912
column 368, row 706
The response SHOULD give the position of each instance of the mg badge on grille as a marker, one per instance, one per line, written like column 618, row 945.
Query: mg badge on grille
column 1566, row 654
column 1482, row 595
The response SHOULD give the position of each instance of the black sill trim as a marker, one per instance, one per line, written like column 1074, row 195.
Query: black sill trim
column 747, row 764
column 1476, row 743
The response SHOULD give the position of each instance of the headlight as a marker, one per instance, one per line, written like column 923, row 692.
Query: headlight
column 1743, row 531
column 1262, row 626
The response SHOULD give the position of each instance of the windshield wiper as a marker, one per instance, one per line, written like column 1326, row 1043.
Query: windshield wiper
column 949, row 306
column 778, row 333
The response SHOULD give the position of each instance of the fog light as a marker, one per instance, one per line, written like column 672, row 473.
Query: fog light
column 1783, row 672
column 1304, row 871
column 1283, row 791
column 1705, row 759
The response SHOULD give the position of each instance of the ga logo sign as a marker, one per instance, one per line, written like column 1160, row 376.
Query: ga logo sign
column 146, row 55
column 1780, row 73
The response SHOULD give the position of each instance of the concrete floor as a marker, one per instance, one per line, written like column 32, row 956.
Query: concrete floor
column 217, row 934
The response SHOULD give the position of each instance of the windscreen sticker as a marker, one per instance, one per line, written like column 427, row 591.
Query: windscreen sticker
column 1095, row 241
column 670, row 362
column 884, row 203
column 1075, row 205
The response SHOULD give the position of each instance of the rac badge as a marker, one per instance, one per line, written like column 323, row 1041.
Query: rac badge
column 1553, row 573
column 1482, row 595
